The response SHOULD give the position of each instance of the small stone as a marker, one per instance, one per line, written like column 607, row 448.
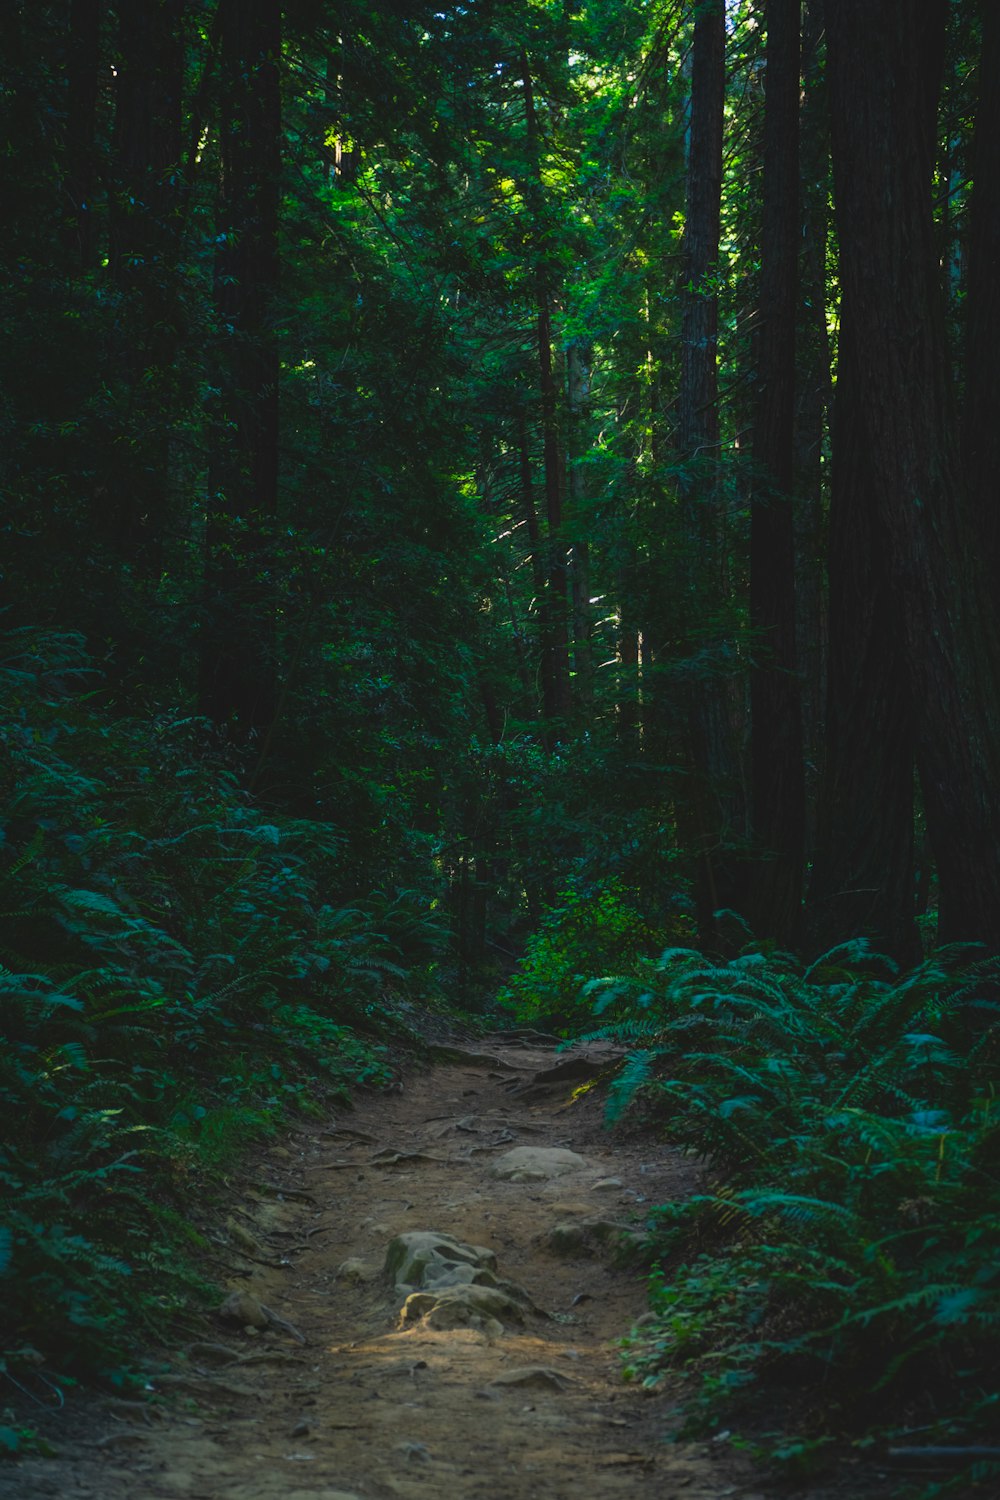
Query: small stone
column 605, row 1231
column 607, row 1185
column 242, row 1237
column 321, row 1495
column 241, row 1307
column 536, row 1163
column 352, row 1271
column 424, row 1257
column 568, row 1239
column 462, row 1307
column 415, row 1450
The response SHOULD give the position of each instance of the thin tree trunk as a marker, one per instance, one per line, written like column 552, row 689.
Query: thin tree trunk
column 556, row 623
column 710, row 808
column 237, row 686
column 539, row 582
column 80, row 180
column 578, row 384
column 777, row 782
column 628, row 713
column 143, row 246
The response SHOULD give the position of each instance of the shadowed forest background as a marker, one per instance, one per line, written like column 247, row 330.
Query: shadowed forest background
column 500, row 515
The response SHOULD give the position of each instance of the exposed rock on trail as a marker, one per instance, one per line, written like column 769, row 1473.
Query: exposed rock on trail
column 449, row 1353
column 537, row 1164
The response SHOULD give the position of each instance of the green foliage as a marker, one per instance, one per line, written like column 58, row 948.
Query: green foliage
column 18, row 1442
column 850, row 1117
column 600, row 927
column 176, row 975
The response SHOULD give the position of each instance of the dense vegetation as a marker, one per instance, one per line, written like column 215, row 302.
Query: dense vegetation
column 491, row 493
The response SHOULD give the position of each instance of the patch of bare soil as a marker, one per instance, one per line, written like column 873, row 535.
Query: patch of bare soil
column 490, row 1370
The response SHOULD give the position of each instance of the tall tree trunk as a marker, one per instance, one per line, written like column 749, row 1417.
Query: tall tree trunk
column 628, row 710
column 237, row 684
column 143, row 244
column 578, row 392
column 980, row 428
column 777, row 781
column 863, row 874
column 80, row 180
column 712, row 811
column 146, row 143
column 883, row 57
column 538, row 578
column 556, row 625
column 812, row 407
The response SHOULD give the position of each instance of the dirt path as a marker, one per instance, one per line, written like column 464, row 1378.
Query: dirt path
column 523, row 1398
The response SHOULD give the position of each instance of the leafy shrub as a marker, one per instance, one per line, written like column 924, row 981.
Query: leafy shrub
column 595, row 929
column 176, row 972
column 847, row 1243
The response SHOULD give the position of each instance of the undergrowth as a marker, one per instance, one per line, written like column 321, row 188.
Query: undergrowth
column 176, row 974
column 842, row 1262
column 597, row 927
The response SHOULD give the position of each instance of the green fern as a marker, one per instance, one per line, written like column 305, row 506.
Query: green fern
column 854, row 1116
column 153, row 921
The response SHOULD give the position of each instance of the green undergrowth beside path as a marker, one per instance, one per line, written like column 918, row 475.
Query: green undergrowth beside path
column 178, row 973
column 839, row 1275
column 841, row 1267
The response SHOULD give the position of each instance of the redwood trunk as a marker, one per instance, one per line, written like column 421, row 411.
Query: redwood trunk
column 144, row 217
column 238, row 669
column 712, row 811
column 883, row 56
column 579, row 370
column 777, row 779
column 863, row 881
column 555, row 623
column 981, row 427
column 80, row 181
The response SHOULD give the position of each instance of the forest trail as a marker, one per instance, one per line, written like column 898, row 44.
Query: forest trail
column 368, row 1410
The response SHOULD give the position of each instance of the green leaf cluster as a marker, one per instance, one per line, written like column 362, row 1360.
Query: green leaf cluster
column 845, row 1242
column 597, row 926
column 178, row 971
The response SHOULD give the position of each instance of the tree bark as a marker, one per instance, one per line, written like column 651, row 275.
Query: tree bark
column 237, row 685
column 812, row 408
column 579, row 370
column 80, row 180
column 883, row 60
column 555, row 623
column 146, row 143
column 777, row 780
column 863, row 881
column 144, row 219
column 713, row 811
column 538, row 578
column 981, row 429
